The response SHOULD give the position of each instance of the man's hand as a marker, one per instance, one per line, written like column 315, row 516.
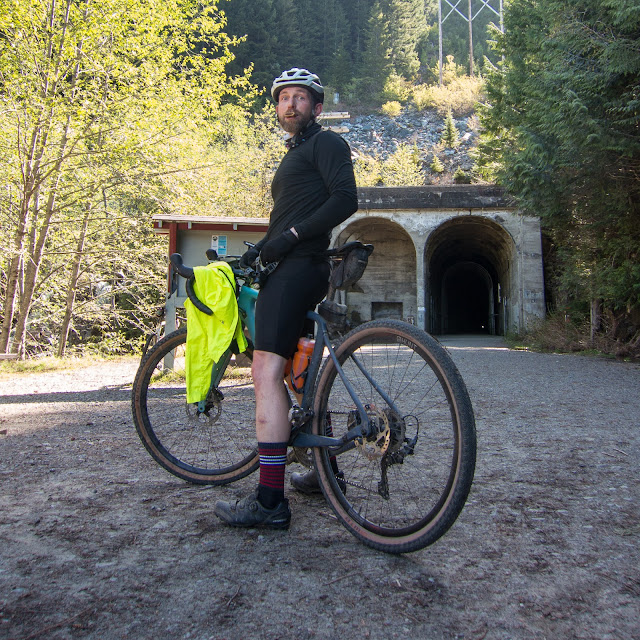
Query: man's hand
column 249, row 257
column 276, row 249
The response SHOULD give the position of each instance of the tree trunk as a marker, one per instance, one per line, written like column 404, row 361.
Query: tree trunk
column 31, row 168
column 35, row 259
column 596, row 319
column 73, row 284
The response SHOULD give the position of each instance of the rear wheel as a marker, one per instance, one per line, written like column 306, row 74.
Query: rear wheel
column 407, row 483
column 214, row 447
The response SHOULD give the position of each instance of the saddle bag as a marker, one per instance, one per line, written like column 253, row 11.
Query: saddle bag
column 350, row 269
column 348, row 264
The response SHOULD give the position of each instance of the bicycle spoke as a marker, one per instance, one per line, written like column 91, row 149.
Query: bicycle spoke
column 215, row 447
column 400, row 478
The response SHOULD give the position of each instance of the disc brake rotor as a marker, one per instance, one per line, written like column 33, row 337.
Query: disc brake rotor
column 210, row 415
column 375, row 446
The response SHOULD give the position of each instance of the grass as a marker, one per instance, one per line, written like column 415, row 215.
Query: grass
column 556, row 334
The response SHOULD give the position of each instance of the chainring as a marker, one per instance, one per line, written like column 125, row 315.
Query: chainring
column 301, row 455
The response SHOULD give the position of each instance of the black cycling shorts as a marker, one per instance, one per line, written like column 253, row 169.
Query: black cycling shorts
column 295, row 287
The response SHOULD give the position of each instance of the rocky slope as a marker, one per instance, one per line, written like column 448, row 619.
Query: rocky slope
column 380, row 135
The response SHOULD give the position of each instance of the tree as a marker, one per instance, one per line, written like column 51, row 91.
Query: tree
column 450, row 134
column 267, row 29
column 376, row 60
column 407, row 25
column 402, row 168
column 561, row 132
column 92, row 93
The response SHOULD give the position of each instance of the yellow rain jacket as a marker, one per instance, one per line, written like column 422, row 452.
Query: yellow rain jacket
column 208, row 337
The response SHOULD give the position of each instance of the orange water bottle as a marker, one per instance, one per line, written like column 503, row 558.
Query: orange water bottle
column 301, row 359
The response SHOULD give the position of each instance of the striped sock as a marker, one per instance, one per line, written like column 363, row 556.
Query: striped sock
column 273, row 458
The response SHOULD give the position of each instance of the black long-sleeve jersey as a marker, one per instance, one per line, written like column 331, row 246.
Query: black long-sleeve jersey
column 314, row 189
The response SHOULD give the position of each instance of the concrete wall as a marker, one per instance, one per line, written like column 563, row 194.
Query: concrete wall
column 450, row 259
column 427, row 238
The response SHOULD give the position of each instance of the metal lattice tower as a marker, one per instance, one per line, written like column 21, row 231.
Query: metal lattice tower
column 469, row 18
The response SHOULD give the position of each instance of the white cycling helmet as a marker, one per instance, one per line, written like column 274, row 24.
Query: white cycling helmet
column 298, row 78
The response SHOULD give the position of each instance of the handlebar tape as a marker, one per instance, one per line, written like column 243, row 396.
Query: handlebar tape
column 197, row 303
column 187, row 272
column 179, row 266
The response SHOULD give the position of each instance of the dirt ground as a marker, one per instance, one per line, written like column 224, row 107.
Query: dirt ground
column 97, row 541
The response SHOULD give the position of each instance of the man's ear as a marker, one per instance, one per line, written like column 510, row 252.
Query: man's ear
column 317, row 110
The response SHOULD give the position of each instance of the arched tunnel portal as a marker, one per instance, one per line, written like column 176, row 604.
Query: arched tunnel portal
column 467, row 260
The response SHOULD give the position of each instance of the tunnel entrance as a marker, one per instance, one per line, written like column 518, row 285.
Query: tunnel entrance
column 467, row 296
column 467, row 261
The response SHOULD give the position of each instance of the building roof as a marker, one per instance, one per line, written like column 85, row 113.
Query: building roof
column 162, row 222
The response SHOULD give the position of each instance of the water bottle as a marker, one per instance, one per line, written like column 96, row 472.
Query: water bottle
column 298, row 372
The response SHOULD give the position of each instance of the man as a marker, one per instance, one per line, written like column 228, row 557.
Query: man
column 313, row 191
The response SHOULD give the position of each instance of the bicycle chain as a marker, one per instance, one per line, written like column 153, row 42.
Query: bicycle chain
column 383, row 485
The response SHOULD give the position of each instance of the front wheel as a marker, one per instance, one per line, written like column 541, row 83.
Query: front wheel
column 406, row 483
column 216, row 446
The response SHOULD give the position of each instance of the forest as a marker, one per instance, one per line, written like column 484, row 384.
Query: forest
column 113, row 111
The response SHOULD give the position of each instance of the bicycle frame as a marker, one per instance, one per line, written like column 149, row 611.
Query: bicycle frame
column 301, row 416
column 376, row 391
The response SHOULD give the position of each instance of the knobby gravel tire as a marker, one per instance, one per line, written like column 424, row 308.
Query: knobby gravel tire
column 214, row 449
column 418, row 498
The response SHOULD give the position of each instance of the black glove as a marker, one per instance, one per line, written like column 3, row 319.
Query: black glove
column 276, row 249
column 249, row 257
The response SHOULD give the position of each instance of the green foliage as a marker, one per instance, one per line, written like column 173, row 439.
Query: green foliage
column 107, row 101
column 450, row 135
column 396, row 88
column 353, row 46
column 392, row 109
column 458, row 93
column 405, row 28
column 461, row 177
column 436, row 164
column 561, row 132
column 368, row 171
column 402, row 168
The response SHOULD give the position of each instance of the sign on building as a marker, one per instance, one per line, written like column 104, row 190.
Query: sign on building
column 219, row 244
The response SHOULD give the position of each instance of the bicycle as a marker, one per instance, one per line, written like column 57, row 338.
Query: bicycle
column 158, row 332
column 397, row 411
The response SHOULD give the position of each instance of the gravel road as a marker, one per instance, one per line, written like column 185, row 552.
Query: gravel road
column 98, row 542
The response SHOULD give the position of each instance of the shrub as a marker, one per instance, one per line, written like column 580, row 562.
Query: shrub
column 436, row 164
column 368, row 171
column 403, row 168
column 392, row 109
column 365, row 90
column 459, row 96
column 422, row 97
column 451, row 134
column 396, row 88
column 450, row 71
column 460, row 177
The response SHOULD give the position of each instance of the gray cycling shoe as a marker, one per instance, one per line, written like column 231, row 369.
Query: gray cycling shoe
column 308, row 482
column 249, row 512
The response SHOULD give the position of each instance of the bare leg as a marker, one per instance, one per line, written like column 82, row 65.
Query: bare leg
column 267, row 507
column 272, row 407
